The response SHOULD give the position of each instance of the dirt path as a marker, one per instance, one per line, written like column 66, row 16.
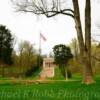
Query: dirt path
column 22, row 81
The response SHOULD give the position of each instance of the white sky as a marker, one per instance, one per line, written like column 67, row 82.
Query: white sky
column 59, row 29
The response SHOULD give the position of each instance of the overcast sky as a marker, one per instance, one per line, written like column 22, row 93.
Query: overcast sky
column 59, row 29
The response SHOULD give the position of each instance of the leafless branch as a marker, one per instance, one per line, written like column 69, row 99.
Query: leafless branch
column 45, row 7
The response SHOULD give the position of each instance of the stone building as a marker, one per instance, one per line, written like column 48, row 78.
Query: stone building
column 48, row 68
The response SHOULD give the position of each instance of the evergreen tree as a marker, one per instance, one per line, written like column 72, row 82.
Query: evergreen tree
column 62, row 54
column 6, row 45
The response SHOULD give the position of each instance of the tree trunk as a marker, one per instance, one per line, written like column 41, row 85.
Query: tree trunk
column 3, row 71
column 64, row 71
column 66, row 76
column 87, row 68
column 85, row 48
column 78, row 26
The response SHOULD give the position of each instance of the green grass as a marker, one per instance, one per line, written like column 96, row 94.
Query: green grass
column 58, row 90
column 58, row 75
column 50, row 91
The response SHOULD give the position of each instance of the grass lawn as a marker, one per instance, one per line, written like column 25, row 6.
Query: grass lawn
column 50, row 91
column 58, row 90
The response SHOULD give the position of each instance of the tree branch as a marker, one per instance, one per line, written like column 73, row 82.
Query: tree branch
column 49, row 13
column 40, row 8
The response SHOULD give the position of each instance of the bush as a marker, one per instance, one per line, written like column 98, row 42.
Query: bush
column 31, row 71
column 69, row 74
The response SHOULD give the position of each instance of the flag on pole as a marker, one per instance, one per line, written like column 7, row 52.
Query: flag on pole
column 41, row 36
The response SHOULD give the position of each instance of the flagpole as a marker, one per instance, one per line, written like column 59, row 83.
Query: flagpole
column 39, row 50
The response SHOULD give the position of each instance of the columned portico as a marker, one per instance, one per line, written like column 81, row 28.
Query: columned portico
column 48, row 67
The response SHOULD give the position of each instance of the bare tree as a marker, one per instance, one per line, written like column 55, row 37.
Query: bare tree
column 26, row 55
column 52, row 8
column 74, row 47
